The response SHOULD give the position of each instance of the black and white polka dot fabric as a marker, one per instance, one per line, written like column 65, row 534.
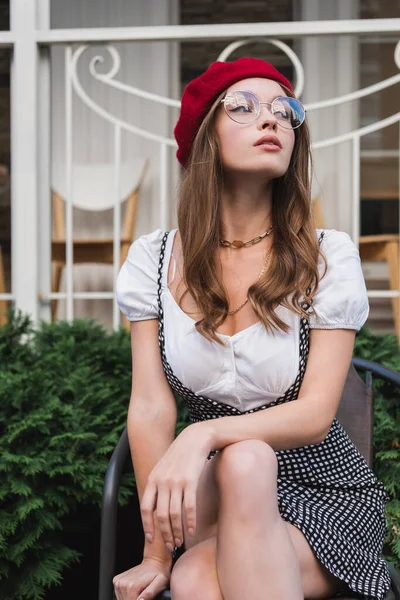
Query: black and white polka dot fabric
column 326, row 490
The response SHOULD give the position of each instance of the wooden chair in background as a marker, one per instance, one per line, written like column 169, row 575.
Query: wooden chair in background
column 3, row 303
column 93, row 190
column 384, row 248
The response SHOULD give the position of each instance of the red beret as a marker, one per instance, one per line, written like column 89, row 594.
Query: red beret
column 201, row 92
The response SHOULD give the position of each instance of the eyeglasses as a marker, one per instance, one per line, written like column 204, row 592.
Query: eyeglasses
column 245, row 107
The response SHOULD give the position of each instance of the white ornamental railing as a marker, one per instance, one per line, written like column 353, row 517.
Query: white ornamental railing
column 32, row 256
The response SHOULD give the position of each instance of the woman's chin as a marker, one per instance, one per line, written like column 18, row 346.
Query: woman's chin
column 256, row 168
column 267, row 165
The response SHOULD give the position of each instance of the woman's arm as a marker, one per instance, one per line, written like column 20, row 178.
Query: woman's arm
column 151, row 417
column 306, row 420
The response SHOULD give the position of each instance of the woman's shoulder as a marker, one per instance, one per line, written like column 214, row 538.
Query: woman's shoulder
column 332, row 238
column 341, row 254
column 337, row 246
column 341, row 298
column 146, row 245
column 136, row 287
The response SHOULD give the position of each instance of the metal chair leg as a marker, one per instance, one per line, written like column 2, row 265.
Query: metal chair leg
column 108, row 536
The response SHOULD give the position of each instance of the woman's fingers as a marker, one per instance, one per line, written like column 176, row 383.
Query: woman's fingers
column 143, row 581
column 147, row 507
column 189, row 501
column 158, row 585
column 124, row 588
column 163, row 516
column 166, row 497
column 175, row 510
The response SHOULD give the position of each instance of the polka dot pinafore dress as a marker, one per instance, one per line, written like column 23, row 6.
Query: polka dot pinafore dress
column 326, row 490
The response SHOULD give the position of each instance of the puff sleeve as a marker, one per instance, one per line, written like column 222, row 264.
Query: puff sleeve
column 136, row 287
column 341, row 301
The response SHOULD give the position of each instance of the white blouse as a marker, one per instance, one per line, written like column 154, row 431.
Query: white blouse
column 254, row 367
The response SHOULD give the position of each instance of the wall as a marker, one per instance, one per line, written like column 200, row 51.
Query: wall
column 149, row 66
column 197, row 56
column 331, row 69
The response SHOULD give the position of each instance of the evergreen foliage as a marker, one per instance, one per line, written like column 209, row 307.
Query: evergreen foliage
column 384, row 349
column 64, row 393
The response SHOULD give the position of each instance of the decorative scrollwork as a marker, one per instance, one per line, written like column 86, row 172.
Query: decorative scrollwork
column 298, row 67
column 109, row 79
column 116, row 64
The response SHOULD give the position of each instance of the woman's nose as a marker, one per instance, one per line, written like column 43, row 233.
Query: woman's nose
column 267, row 119
column 271, row 123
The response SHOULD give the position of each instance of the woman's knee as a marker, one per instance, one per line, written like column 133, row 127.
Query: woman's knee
column 194, row 574
column 252, row 460
column 246, row 477
column 184, row 578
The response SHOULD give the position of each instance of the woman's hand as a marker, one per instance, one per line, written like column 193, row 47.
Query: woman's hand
column 173, row 481
column 144, row 581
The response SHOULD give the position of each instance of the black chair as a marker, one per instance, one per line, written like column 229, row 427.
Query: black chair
column 355, row 414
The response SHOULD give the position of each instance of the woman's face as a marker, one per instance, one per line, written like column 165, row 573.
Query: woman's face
column 241, row 148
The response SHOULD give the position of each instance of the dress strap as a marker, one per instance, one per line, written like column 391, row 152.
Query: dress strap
column 160, row 274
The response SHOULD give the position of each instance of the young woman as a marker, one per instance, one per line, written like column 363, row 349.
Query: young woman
column 249, row 314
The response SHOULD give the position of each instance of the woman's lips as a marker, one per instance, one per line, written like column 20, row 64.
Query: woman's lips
column 269, row 147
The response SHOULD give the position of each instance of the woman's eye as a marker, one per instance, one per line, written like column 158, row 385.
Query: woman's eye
column 283, row 114
column 245, row 109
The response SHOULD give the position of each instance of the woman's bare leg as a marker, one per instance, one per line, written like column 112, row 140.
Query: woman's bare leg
column 255, row 555
column 196, row 574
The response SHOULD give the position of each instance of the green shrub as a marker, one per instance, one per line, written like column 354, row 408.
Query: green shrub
column 64, row 392
column 385, row 350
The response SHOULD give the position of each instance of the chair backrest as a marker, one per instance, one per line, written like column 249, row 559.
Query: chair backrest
column 93, row 184
column 356, row 412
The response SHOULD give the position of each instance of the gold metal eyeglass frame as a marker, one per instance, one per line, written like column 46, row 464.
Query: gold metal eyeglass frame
column 259, row 108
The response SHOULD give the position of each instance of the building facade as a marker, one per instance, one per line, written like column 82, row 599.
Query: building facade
column 97, row 84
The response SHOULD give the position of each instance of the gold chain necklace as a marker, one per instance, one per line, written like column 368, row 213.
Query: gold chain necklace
column 239, row 244
column 263, row 269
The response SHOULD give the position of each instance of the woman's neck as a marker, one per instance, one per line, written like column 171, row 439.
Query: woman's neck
column 246, row 211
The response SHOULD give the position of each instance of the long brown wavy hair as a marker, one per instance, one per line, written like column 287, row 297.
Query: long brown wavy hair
column 292, row 277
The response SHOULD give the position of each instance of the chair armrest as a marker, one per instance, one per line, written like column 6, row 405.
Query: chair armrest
column 394, row 378
column 395, row 579
column 109, row 512
column 377, row 370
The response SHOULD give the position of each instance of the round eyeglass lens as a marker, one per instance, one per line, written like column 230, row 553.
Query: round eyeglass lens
column 289, row 112
column 242, row 107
